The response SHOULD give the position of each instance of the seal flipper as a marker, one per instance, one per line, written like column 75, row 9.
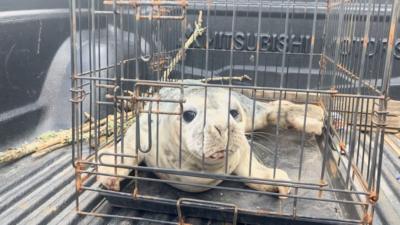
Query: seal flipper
column 259, row 170
column 107, row 157
column 291, row 115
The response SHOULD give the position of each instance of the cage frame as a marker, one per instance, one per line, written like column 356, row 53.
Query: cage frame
column 332, row 98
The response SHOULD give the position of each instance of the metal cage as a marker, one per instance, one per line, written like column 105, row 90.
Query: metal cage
column 337, row 54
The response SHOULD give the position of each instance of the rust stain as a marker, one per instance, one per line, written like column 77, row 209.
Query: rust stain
column 365, row 43
column 342, row 146
column 323, row 183
column 333, row 168
column 373, row 197
column 312, row 40
column 391, row 35
column 368, row 218
column 78, row 178
column 78, row 184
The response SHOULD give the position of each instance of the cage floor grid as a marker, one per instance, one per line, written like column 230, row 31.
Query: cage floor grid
column 264, row 147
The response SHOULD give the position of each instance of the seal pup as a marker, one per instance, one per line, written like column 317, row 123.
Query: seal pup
column 208, row 139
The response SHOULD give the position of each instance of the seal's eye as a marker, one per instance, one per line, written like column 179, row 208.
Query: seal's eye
column 188, row 116
column 234, row 113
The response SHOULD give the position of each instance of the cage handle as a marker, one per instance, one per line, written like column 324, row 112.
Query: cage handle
column 205, row 204
column 156, row 12
column 138, row 145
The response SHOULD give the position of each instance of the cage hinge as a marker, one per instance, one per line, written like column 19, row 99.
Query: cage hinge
column 79, row 95
column 368, row 218
column 79, row 181
column 373, row 197
column 342, row 147
column 323, row 184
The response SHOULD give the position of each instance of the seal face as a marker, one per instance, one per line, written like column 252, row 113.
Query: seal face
column 207, row 125
column 211, row 138
column 208, row 135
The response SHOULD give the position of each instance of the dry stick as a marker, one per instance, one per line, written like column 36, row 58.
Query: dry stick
column 48, row 150
column 198, row 31
column 48, row 141
column 88, row 117
column 104, row 130
column 238, row 78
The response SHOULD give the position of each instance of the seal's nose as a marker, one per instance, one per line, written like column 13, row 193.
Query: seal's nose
column 219, row 130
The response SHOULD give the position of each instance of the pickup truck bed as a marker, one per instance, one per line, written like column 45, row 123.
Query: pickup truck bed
column 42, row 191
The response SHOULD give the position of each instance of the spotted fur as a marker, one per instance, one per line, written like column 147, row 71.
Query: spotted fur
column 207, row 139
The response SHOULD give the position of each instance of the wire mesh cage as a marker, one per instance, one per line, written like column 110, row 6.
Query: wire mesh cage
column 186, row 107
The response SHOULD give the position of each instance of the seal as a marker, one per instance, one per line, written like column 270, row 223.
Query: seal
column 197, row 139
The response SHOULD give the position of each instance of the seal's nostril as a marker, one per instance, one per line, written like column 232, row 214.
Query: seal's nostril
column 219, row 131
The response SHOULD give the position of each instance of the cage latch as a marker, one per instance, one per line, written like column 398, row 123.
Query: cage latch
column 207, row 205
column 78, row 94
column 149, row 143
column 149, row 98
